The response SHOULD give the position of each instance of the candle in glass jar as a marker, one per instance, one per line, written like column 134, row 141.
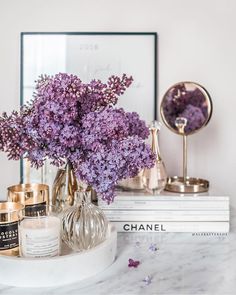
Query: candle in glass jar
column 40, row 237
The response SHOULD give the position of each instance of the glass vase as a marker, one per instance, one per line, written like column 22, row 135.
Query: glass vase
column 64, row 187
column 155, row 179
column 84, row 225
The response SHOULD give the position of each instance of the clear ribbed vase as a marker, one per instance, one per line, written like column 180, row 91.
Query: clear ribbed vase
column 84, row 225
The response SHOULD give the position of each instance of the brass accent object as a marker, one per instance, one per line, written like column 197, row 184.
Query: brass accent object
column 134, row 183
column 185, row 109
column 188, row 185
column 64, row 187
column 32, row 195
column 10, row 214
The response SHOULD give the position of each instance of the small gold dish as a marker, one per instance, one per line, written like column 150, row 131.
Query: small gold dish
column 190, row 185
column 32, row 195
column 10, row 214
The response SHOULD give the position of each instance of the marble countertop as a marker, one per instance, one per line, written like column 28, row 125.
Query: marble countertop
column 182, row 264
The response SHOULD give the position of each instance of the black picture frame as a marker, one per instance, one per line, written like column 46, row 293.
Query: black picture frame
column 155, row 66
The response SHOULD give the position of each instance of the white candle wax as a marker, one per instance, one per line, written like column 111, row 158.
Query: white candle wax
column 40, row 237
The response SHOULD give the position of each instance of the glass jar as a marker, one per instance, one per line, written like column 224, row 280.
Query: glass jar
column 40, row 236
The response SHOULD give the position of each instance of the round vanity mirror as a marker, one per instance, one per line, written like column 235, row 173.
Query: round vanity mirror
column 189, row 102
column 185, row 109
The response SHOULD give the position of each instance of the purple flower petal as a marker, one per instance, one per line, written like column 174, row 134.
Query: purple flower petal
column 147, row 280
column 133, row 263
column 153, row 247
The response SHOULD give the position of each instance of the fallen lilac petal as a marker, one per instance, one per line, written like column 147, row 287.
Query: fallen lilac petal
column 148, row 280
column 153, row 247
column 133, row 263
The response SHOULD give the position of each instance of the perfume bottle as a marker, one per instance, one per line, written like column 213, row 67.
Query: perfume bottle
column 155, row 179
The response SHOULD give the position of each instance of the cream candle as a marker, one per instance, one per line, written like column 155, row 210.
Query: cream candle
column 40, row 236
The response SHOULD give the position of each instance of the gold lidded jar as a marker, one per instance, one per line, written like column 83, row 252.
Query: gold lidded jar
column 33, row 196
column 10, row 215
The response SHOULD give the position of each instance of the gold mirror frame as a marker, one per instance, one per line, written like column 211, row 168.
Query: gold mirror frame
column 186, row 184
column 208, row 100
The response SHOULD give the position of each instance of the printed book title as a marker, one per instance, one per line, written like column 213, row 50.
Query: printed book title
column 141, row 227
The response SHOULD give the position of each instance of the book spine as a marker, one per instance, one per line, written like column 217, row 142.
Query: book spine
column 170, row 198
column 173, row 217
column 132, row 226
column 166, row 205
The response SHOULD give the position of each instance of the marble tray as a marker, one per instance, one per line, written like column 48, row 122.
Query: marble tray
column 68, row 268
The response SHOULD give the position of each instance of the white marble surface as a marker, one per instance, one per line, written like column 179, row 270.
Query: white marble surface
column 183, row 264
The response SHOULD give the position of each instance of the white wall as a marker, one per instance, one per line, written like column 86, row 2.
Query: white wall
column 197, row 41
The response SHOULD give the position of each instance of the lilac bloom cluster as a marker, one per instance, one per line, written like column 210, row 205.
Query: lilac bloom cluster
column 119, row 160
column 70, row 121
column 189, row 104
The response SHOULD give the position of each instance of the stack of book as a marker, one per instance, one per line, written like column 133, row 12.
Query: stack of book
column 137, row 212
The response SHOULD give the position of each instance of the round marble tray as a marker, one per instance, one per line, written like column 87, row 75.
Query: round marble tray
column 65, row 269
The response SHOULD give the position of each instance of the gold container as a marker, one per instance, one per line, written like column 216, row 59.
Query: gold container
column 10, row 214
column 134, row 183
column 33, row 196
column 177, row 184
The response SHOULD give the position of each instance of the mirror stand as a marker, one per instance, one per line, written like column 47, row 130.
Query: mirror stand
column 186, row 108
column 185, row 184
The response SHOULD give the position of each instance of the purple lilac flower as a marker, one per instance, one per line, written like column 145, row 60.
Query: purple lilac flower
column 194, row 116
column 101, row 127
column 133, row 263
column 69, row 121
column 137, row 126
column 121, row 159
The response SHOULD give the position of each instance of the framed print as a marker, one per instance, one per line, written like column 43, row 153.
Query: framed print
column 91, row 55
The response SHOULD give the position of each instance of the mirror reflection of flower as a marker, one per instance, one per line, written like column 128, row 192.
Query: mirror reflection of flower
column 187, row 103
column 70, row 121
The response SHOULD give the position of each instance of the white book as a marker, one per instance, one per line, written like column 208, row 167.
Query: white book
column 167, row 201
column 165, row 205
column 168, row 196
column 177, row 197
column 132, row 226
column 144, row 215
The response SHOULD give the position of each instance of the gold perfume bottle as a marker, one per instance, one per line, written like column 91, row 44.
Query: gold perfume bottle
column 154, row 179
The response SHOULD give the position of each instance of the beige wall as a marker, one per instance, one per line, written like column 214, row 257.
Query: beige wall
column 197, row 41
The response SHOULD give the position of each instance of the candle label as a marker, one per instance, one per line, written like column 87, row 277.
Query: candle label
column 44, row 243
column 35, row 209
column 9, row 235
